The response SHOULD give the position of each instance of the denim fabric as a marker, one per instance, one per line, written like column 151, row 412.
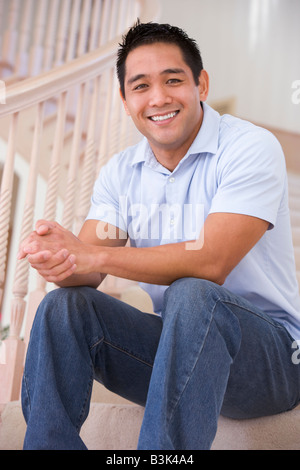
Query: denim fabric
column 211, row 352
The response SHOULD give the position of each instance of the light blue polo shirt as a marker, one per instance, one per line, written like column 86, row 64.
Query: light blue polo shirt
column 232, row 166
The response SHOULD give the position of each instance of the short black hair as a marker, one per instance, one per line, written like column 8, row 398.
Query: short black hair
column 150, row 33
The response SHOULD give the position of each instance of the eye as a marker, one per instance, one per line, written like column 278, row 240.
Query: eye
column 174, row 81
column 140, row 87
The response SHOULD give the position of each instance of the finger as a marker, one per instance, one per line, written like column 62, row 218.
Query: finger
column 60, row 277
column 21, row 254
column 39, row 258
column 30, row 248
column 60, row 271
column 47, row 260
column 25, row 247
column 44, row 226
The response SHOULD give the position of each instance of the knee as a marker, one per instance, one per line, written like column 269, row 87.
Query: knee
column 198, row 305
column 191, row 290
column 61, row 298
column 187, row 296
column 61, row 305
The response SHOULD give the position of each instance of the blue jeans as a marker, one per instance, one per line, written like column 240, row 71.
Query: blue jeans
column 211, row 353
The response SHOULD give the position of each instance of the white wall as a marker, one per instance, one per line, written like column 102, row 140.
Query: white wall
column 251, row 49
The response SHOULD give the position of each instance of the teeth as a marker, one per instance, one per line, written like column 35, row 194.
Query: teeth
column 163, row 118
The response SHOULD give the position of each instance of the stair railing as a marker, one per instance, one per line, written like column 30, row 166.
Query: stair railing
column 76, row 110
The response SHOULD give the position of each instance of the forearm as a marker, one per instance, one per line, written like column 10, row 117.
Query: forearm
column 63, row 259
column 90, row 280
column 158, row 265
column 228, row 238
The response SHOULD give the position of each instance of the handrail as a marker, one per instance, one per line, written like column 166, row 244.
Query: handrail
column 32, row 90
column 71, row 115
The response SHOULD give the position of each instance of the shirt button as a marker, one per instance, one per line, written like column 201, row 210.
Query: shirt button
column 172, row 221
column 172, row 179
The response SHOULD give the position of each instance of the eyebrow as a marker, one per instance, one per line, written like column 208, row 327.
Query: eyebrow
column 140, row 76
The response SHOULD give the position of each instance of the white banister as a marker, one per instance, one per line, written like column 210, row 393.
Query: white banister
column 6, row 197
column 69, row 206
column 11, row 33
column 74, row 21
column 96, row 14
column 62, row 32
column 39, row 292
column 21, row 273
column 36, row 51
column 70, row 115
column 89, row 159
column 22, row 55
column 50, row 35
column 84, row 27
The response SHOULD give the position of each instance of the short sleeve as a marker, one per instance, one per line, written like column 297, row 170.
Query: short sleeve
column 250, row 176
column 105, row 201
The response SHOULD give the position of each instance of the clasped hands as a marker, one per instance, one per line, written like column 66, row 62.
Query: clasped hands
column 54, row 251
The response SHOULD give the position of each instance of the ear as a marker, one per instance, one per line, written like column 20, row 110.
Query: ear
column 203, row 85
column 124, row 103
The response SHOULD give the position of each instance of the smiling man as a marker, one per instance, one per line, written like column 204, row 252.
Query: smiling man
column 165, row 104
column 203, row 200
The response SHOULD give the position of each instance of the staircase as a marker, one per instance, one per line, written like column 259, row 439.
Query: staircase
column 62, row 121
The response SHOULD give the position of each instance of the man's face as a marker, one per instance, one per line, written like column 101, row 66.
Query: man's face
column 162, row 98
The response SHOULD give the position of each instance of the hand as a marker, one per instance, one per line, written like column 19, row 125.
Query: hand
column 52, row 251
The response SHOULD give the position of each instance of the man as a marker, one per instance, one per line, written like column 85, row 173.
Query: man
column 203, row 199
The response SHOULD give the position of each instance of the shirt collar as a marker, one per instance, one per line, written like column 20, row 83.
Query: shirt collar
column 206, row 140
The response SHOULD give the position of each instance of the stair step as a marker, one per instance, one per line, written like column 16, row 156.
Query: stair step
column 116, row 427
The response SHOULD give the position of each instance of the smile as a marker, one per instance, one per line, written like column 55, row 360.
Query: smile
column 163, row 118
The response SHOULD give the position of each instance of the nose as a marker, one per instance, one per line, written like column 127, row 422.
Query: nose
column 159, row 97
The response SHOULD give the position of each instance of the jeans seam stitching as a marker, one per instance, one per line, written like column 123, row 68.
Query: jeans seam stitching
column 119, row 348
column 85, row 404
column 267, row 320
column 187, row 381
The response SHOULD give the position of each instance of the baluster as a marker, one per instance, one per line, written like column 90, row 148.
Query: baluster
column 13, row 348
column 11, row 33
column 95, row 21
column 73, row 34
column 1, row 24
column 106, row 88
column 6, row 197
column 113, row 19
column 50, row 40
column 123, row 9
column 88, row 169
column 62, row 33
column 20, row 286
column 36, row 52
column 68, row 214
column 38, row 294
column 104, row 27
column 25, row 36
column 84, row 28
column 52, row 189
